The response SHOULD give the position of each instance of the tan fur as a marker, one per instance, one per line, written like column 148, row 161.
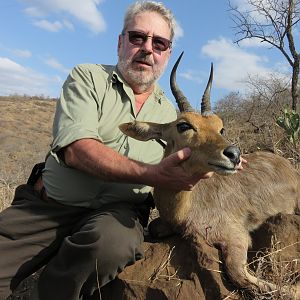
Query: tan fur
column 178, row 211
column 222, row 210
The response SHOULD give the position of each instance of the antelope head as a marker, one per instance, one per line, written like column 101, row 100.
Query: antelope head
column 202, row 133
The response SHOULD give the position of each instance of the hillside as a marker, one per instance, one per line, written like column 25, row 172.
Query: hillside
column 25, row 135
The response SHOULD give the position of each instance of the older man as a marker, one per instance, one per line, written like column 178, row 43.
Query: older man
column 82, row 218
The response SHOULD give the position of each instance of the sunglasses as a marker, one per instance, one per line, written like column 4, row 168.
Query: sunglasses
column 138, row 38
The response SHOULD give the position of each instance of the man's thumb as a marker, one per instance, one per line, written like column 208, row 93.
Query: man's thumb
column 182, row 154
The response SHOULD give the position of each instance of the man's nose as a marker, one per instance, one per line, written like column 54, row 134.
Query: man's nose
column 147, row 45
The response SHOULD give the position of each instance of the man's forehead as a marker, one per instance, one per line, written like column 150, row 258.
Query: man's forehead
column 150, row 22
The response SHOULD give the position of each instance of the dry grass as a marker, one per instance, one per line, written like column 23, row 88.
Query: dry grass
column 6, row 193
column 162, row 271
column 24, row 140
column 272, row 266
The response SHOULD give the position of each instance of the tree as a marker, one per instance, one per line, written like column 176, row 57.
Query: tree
column 273, row 22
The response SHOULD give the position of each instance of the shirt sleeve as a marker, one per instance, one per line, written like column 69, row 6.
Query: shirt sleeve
column 77, row 110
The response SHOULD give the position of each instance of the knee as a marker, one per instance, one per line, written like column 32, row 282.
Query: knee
column 108, row 263
column 113, row 256
column 107, row 250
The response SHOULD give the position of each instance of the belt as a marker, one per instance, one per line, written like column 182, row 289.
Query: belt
column 40, row 189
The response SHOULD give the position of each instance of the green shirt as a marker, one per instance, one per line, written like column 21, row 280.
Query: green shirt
column 93, row 102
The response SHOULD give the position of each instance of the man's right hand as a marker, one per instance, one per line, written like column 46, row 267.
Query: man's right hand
column 170, row 174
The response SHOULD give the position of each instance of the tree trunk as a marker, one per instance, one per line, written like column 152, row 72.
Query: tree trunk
column 295, row 90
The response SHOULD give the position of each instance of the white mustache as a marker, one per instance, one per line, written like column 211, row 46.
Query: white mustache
column 144, row 59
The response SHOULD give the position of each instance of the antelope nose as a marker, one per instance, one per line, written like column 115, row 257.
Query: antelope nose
column 233, row 153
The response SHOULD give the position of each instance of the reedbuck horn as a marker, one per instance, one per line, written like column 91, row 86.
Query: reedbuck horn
column 182, row 102
column 205, row 103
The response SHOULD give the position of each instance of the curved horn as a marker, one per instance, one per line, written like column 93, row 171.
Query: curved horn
column 182, row 102
column 205, row 103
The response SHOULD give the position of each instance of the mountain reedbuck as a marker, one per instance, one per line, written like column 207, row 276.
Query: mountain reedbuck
column 221, row 210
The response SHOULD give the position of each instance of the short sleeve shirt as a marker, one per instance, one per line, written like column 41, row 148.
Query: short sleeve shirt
column 94, row 101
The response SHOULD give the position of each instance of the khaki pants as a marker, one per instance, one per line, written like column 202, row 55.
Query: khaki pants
column 71, row 242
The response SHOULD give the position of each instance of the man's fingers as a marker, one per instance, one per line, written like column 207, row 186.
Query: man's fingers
column 243, row 160
column 240, row 165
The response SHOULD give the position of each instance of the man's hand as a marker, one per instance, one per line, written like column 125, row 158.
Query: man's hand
column 171, row 175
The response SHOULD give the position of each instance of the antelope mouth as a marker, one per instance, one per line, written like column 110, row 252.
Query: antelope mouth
column 223, row 170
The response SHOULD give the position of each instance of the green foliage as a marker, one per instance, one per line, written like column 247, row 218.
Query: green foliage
column 290, row 122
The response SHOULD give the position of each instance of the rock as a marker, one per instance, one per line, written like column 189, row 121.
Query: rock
column 169, row 271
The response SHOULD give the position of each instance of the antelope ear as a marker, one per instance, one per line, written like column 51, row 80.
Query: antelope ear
column 142, row 131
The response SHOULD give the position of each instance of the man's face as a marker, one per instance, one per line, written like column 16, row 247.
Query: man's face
column 141, row 65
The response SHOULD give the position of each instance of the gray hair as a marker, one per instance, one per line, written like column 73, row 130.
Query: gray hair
column 150, row 6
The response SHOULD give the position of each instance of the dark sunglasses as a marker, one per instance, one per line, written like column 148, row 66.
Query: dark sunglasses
column 138, row 38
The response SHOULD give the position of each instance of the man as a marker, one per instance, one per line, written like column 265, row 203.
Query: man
column 82, row 218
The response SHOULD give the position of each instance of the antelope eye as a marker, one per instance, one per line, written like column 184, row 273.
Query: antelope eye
column 182, row 127
column 222, row 131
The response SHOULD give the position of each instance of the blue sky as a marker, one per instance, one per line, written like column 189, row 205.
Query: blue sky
column 41, row 40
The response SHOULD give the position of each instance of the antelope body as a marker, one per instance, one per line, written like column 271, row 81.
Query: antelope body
column 221, row 210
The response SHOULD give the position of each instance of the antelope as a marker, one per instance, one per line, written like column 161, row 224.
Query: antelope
column 229, row 206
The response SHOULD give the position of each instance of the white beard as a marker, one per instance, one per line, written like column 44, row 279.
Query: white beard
column 139, row 76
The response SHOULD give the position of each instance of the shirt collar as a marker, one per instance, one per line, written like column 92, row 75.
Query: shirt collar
column 116, row 76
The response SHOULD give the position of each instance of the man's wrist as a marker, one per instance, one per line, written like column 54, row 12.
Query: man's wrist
column 148, row 174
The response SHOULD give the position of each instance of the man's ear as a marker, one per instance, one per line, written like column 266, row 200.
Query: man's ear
column 119, row 43
column 142, row 131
